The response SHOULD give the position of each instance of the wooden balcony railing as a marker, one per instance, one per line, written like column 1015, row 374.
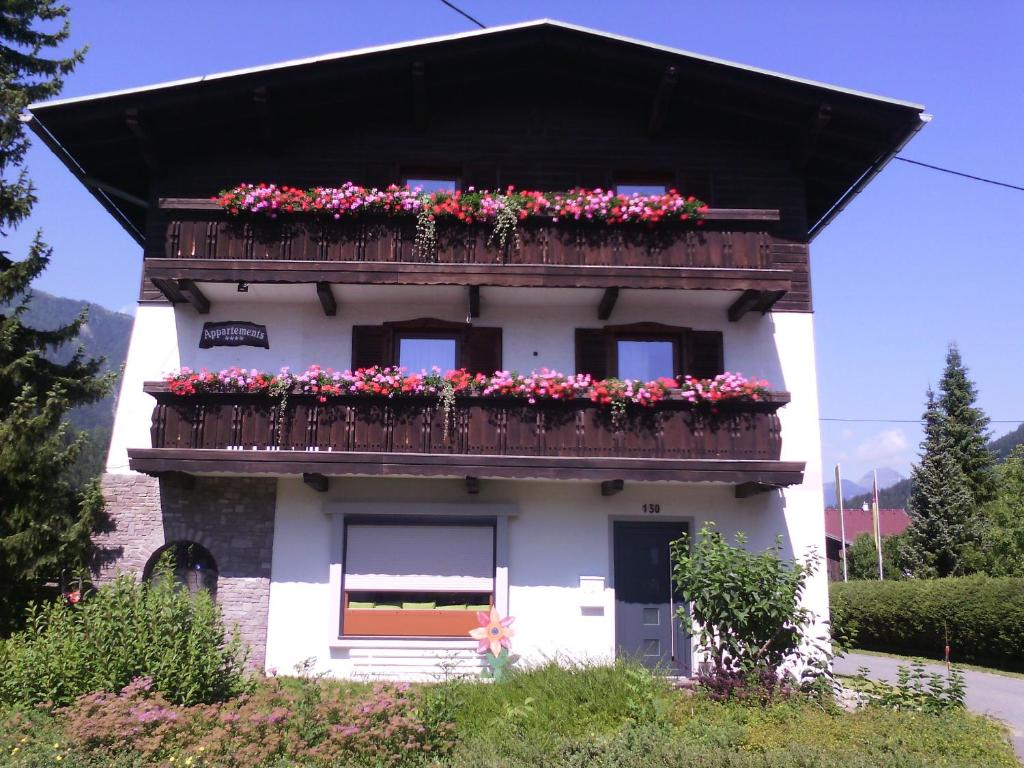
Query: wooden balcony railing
column 571, row 439
column 730, row 239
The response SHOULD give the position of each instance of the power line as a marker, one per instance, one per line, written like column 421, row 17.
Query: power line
column 463, row 13
column 955, row 173
column 916, row 421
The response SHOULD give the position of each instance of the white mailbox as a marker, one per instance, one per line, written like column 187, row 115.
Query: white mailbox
column 592, row 591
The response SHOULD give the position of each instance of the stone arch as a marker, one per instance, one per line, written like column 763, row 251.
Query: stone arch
column 193, row 565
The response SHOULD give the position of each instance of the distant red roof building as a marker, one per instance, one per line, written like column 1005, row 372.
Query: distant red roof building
column 890, row 521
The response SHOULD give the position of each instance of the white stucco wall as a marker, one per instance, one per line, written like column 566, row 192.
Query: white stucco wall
column 538, row 331
column 562, row 529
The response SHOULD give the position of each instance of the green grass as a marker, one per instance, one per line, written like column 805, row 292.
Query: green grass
column 926, row 660
column 589, row 716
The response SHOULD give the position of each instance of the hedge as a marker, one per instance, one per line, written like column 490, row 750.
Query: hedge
column 982, row 617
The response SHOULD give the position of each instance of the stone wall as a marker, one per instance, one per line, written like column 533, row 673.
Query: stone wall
column 232, row 517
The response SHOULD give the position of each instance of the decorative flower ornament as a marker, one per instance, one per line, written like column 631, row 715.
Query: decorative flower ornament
column 493, row 633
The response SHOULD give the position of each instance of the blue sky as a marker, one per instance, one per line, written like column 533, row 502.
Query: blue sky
column 918, row 260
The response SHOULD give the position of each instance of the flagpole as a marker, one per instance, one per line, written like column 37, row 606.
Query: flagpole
column 842, row 519
column 876, row 522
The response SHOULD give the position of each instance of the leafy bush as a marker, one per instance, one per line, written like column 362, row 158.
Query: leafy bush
column 915, row 689
column 745, row 604
column 982, row 617
column 123, row 631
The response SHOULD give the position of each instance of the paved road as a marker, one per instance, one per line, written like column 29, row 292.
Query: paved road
column 989, row 694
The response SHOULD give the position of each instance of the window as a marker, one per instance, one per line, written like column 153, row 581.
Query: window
column 641, row 189
column 429, row 185
column 418, row 352
column 648, row 350
column 191, row 564
column 646, row 359
column 416, row 580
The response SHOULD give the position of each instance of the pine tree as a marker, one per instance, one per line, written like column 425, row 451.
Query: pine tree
column 44, row 523
column 967, row 428
column 943, row 534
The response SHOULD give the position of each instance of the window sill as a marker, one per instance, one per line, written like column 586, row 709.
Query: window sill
column 432, row 643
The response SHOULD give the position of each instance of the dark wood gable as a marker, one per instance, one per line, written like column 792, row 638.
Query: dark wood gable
column 479, row 347
column 698, row 353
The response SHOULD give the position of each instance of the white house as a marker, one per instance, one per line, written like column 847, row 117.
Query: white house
column 365, row 530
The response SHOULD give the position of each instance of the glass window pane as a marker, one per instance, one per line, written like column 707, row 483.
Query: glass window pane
column 645, row 360
column 640, row 189
column 423, row 354
column 434, row 185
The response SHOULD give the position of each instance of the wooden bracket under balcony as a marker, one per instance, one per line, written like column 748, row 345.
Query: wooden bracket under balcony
column 182, row 291
column 754, row 300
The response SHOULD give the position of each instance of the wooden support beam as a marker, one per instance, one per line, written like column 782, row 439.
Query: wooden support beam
column 147, row 142
column 327, row 300
column 474, row 301
column 746, row 302
column 607, row 304
column 169, row 288
column 420, row 108
column 611, row 487
column 194, row 296
column 316, row 481
column 264, row 118
column 472, row 485
column 746, row 490
column 750, row 300
column 807, row 142
column 662, row 98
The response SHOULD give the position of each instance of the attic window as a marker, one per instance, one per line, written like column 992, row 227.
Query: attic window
column 430, row 185
column 628, row 190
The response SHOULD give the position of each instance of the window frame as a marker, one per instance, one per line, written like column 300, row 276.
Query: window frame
column 455, row 337
column 341, row 513
column 646, row 332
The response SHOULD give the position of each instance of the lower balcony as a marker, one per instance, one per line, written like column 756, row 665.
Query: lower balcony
column 739, row 443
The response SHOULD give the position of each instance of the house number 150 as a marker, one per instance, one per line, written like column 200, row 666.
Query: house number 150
column 652, row 509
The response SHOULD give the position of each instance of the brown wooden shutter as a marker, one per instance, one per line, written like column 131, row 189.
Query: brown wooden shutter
column 481, row 350
column 592, row 352
column 704, row 354
column 372, row 345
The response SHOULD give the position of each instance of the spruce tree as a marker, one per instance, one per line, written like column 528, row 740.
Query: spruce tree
column 44, row 522
column 943, row 534
column 967, row 428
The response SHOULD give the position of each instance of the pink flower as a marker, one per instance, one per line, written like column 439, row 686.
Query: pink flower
column 493, row 633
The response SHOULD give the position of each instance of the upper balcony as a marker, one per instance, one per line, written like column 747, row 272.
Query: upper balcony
column 737, row 250
column 737, row 443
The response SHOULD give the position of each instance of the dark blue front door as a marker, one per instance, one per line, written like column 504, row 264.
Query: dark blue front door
column 646, row 627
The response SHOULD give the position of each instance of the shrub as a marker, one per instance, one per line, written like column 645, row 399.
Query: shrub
column 295, row 722
column 123, row 631
column 982, row 617
column 745, row 604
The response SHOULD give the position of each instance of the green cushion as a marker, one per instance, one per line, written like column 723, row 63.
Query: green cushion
column 360, row 605
column 419, row 606
column 387, row 607
column 484, row 608
column 461, row 607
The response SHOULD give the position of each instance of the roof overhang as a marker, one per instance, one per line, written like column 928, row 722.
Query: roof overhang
column 103, row 139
